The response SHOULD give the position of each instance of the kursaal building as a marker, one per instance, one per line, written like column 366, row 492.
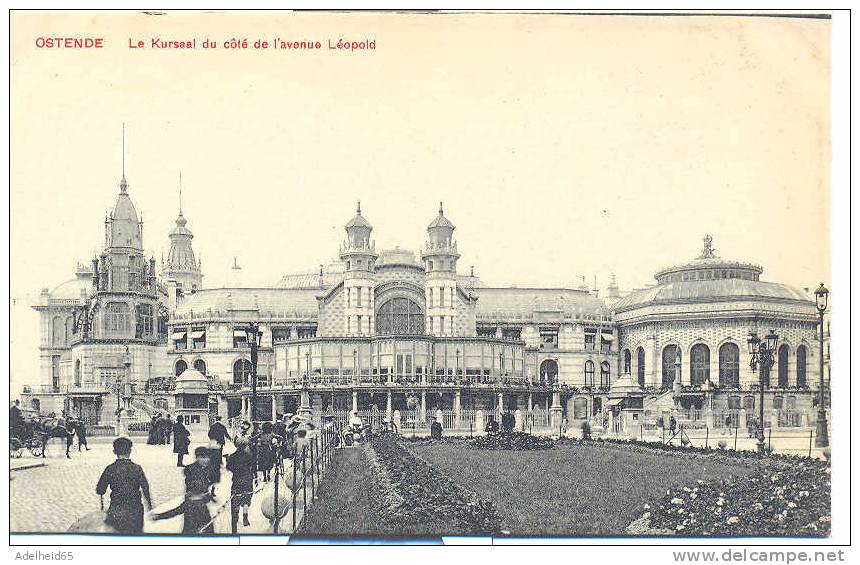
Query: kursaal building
column 407, row 336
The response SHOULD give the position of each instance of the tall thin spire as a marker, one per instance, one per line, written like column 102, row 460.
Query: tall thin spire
column 180, row 193
column 123, row 185
column 441, row 213
column 358, row 208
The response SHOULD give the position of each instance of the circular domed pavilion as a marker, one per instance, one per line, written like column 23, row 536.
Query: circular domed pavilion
column 689, row 331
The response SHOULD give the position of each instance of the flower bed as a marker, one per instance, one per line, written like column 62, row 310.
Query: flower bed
column 516, row 441
column 782, row 500
column 411, row 491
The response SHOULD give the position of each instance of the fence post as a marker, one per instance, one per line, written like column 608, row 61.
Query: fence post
column 304, row 481
column 736, row 438
column 313, row 479
column 706, row 437
column 810, row 444
column 295, row 488
column 664, row 434
column 769, row 430
column 278, row 461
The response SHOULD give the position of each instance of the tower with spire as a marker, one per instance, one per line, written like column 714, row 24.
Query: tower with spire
column 182, row 270
column 358, row 254
column 440, row 287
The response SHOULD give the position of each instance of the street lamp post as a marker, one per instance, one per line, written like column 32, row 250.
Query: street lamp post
column 761, row 355
column 254, row 336
column 821, row 424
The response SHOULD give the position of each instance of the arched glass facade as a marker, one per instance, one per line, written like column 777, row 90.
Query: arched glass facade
column 400, row 316
column 730, row 356
column 700, row 364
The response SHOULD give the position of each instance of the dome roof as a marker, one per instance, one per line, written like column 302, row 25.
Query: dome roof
column 191, row 375
column 708, row 278
column 709, row 291
column 358, row 221
column 441, row 221
column 72, row 288
column 124, row 226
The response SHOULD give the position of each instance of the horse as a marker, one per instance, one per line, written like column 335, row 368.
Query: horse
column 48, row 428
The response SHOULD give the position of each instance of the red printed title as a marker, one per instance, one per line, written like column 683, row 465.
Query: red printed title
column 234, row 43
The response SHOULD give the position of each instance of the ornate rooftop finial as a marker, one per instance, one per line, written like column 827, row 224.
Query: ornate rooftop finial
column 441, row 213
column 358, row 208
column 708, row 251
column 123, row 185
column 180, row 193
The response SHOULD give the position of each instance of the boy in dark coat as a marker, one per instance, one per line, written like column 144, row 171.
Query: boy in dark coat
column 127, row 483
column 196, row 516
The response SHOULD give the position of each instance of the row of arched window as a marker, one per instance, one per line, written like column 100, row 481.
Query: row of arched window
column 199, row 365
column 729, row 365
column 604, row 373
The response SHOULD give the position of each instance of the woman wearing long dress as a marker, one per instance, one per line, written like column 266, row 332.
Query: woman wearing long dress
column 181, row 441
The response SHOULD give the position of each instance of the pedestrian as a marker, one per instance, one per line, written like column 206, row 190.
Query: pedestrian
column 436, row 429
column 181, row 441
column 265, row 451
column 127, row 483
column 218, row 433
column 196, row 516
column 81, row 431
column 166, row 429
column 154, row 435
column 16, row 420
column 241, row 464
column 672, row 425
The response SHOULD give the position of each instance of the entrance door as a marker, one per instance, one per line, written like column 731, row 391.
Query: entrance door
column 88, row 411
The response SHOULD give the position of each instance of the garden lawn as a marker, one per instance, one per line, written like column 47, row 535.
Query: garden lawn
column 570, row 490
column 344, row 507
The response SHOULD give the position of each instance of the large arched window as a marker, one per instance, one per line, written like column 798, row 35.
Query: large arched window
column 200, row 365
column 400, row 316
column 628, row 361
column 801, row 365
column 730, row 357
column 671, row 357
column 782, row 366
column 143, row 321
column 180, row 367
column 700, row 364
column 117, row 317
column 640, row 366
column 589, row 373
column 604, row 373
column 241, row 371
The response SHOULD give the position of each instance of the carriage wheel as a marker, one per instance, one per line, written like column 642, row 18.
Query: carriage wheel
column 35, row 449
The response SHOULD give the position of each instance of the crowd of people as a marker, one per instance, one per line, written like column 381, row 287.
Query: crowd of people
column 257, row 450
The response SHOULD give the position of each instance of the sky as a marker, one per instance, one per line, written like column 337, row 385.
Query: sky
column 561, row 146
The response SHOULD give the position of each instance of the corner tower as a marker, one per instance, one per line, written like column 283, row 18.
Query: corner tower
column 181, row 270
column 358, row 254
column 440, row 264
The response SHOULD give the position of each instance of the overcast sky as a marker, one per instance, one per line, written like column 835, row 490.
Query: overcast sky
column 561, row 145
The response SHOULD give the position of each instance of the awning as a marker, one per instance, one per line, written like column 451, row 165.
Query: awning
column 606, row 337
column 198, row 334
column 240, row 333
column 614, row 401
column 177, row 336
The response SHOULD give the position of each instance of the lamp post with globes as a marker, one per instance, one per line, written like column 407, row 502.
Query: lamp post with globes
column 761, row 358
column 821, row 440
column 254, row 337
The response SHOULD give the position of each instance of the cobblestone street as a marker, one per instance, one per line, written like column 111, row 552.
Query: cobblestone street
column 51, row 498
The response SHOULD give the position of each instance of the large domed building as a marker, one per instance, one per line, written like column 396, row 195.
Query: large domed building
column 400, row 332
column 687, row 335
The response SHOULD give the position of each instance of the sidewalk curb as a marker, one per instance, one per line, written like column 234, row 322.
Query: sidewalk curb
column 28, row 466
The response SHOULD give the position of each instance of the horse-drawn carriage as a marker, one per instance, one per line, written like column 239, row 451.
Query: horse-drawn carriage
column 34, row 433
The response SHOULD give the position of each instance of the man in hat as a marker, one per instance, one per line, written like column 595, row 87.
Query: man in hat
column 127, row 483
